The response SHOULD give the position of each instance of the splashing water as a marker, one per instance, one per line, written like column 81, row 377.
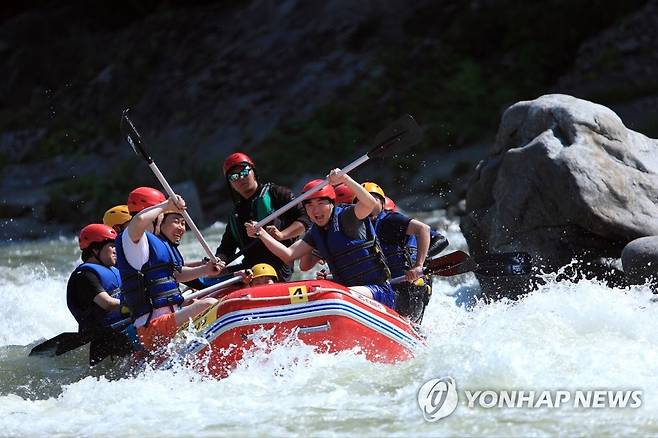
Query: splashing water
column 563, row 336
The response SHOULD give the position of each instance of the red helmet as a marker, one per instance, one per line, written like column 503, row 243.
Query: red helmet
column 344, row 195
column 93, row 233
column 389, row 205
column 325, row 192
column 236, row 159
column 143, row 197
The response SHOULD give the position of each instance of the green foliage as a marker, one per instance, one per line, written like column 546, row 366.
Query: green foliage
column 479, row 60
column 63, row 140
column 87, row 198
column 80, row 200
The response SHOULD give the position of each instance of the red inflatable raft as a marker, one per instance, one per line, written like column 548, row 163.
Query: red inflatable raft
column 319, row 312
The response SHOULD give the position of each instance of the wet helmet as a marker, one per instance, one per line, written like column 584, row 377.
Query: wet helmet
column 344, row 195
column 117, row 215
column 325, row 192
column 389, row 205
column 94, row 233
column 264, row 270
column 374, row 189
column 143, row 197
column 237, row 159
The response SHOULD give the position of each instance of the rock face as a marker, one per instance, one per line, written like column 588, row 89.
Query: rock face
column 640, row 261
column 565, row 180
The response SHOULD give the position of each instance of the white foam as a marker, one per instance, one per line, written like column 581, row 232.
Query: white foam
column 565, row 335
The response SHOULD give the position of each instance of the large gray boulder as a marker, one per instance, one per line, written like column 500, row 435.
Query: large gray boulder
column 640, row 261
column 565, row 180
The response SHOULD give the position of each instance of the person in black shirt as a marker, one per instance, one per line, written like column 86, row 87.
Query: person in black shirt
column 405, row 243
column 253, row 201
column 93, row 293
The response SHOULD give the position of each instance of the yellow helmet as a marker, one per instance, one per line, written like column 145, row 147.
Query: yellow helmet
column 374, row 188
column 264, row 270
column 117, row 215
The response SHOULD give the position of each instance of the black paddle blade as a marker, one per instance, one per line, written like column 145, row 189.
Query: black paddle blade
column 132, row 136
column 447, row 265
column 504, row 264
column 402, row 134
column 491, row 265
column 61, row 344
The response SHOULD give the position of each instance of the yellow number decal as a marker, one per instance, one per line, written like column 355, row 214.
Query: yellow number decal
column 202, row 320
column 298, row 294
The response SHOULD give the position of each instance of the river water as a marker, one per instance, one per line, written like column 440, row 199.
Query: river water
column 567, row 336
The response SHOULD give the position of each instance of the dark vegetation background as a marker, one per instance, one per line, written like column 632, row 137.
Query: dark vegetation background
column 301, row 85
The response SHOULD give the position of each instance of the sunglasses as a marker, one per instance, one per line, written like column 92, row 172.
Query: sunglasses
column 234, row 176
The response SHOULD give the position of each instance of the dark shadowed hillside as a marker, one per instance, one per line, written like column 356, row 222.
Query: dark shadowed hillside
column 301, row 85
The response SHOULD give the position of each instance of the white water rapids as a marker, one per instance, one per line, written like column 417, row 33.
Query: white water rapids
column 564, row 336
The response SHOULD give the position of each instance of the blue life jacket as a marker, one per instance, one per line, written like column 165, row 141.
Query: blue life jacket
column 352, row 262
column 110, row 280
column 400, row 252
column 153, row 285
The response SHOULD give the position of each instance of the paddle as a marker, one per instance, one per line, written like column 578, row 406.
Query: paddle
column 67, row 341
column 119, row 344
column 490, row 265
column 214, row 288
column 400, row 135
column 134, row 139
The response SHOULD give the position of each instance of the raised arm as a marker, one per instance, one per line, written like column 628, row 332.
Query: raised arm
column 366, row 202
column 285, row 253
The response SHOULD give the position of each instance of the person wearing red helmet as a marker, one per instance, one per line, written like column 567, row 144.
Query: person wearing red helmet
column 253, row 201
column 344, row 195
column 151, row 269
column 389, row 205
column 344, row 236
column 93, row 292
column 143, row 197
column 406, row 243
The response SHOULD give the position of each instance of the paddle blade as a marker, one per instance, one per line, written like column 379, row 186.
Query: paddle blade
column 447, row 265
column 400, row 135
column 61, row 344
column 490, row 265
column 132, row 137
column 504, row 264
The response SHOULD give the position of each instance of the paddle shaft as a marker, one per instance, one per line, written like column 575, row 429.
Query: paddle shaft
column 275, row 214
column 135, row 141
column 353, row 165
column 185, row 214
column 490, row 265
column 198, row 294
column 214, row 288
